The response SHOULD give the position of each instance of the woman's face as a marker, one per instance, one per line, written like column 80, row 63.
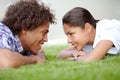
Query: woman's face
column 77, row 36
column 34, row 39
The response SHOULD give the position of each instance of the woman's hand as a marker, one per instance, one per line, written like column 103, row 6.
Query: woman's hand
column 77, row 55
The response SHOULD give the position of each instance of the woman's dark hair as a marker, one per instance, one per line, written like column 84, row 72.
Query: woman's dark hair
column 28, row 15
column 78, row 17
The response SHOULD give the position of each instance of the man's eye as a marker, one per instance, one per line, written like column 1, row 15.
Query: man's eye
column 44, row 33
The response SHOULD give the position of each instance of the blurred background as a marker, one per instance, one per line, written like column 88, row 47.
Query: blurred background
column 100, row 9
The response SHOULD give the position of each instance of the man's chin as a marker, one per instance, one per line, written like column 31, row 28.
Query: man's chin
column 35, row 52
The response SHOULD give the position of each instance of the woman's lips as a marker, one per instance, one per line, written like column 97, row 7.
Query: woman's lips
column 75, row 46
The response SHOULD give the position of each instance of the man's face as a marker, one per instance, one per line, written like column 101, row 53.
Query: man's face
column 34, row 39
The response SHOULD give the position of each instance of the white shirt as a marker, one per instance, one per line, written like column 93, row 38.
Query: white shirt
column 108, row 30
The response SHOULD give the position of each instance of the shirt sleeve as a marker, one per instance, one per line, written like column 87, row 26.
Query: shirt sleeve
column 5, row 42
column 109, row 30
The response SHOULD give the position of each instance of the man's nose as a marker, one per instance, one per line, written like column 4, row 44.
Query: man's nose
column 45, row 38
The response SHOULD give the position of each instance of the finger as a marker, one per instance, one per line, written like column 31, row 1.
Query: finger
column 72, row 58
column 75, row 55
column 82, row 53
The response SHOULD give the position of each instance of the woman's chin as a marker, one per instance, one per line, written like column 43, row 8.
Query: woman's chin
column 78, row 49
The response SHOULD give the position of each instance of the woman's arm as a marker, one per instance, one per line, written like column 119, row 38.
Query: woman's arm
column 98, row 52
column 70, row 53
column 9, row 59
column 66, row 53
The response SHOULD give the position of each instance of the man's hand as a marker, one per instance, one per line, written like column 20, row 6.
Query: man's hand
column 38, row 59
column 41, row 56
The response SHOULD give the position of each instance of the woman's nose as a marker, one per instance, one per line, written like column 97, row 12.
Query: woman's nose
column 69, row 40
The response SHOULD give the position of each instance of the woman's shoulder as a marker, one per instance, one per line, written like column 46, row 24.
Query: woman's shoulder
column 107, row 23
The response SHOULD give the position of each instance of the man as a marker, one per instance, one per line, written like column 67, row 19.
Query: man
column 22, row 33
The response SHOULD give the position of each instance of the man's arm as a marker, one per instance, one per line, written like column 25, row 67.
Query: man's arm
column 9, row 59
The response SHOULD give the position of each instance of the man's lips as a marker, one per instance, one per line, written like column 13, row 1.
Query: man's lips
column 41, row 43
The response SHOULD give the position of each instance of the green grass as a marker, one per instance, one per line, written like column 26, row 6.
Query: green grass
column 54, row 69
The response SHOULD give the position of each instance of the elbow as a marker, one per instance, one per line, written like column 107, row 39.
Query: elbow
column 59, row 56
column 7, row 64
column 6, row 59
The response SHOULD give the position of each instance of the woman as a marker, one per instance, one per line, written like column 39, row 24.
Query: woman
column 84, row 32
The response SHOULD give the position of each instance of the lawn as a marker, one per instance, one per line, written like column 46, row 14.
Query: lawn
column 54, row 69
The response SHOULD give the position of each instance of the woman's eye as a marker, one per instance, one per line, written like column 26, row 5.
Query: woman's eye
column 70, row 33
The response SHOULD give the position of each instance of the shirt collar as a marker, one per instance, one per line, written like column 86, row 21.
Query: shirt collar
column 19, row 45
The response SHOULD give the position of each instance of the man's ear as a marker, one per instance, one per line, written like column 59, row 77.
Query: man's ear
column 23, row 31
column 88, row 27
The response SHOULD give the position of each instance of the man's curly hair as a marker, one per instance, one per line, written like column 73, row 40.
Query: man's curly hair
column 28, row 15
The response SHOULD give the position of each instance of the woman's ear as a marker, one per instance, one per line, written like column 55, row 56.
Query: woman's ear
column 88, row 27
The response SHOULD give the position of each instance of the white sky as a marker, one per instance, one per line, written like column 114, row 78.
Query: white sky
column 100, row 9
